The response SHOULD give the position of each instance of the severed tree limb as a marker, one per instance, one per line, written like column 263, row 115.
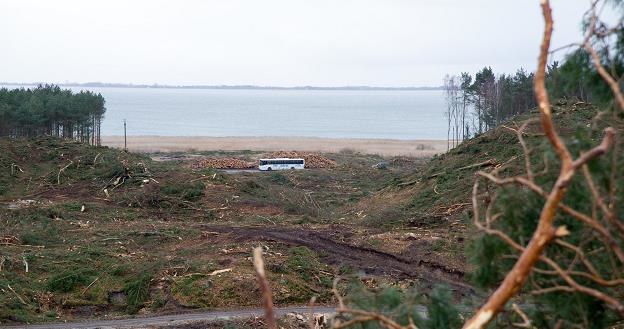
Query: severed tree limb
column 25, row 264
column 490, row 162
column 89, row 286
column 526, row 323
column 13, row 167
column 601, row 203
column 525, row 148
column 613, row 84
column 267, row 300
column 311, row 320
column 21, row 300
column 58, row 176
column 587, row 45
column 601, row 149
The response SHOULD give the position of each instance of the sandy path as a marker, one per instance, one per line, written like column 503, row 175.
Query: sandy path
column 386, row 147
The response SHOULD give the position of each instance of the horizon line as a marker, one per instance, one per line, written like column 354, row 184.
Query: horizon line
column 242, row 86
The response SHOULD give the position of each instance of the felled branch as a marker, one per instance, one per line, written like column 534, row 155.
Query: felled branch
column 58, row 176
column 267, row 300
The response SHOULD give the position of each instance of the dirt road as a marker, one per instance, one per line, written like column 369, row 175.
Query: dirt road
column 171, row 320
column 370, row 261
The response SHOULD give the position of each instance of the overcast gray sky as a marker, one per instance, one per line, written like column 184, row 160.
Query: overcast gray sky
column 272, row 42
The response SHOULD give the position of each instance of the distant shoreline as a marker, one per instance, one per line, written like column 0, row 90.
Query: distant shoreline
column 384, row 147
column 232, row 87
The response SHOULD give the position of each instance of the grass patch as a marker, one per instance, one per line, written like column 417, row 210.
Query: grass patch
column 186, row 191
column 137, row 292
column 67, row 281
column 280, row 179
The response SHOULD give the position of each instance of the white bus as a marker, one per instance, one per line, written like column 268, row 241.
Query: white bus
column 281, row 164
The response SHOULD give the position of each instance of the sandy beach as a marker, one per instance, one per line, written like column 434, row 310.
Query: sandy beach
column 385, row 147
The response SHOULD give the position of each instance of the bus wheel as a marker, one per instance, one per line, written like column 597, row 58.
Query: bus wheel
column 292, row 168
column 269, row 169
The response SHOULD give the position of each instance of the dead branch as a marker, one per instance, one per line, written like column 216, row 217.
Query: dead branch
column 311, row 322
column 487, row 163
column 613, row 84
column 526, row 323
column 267, row 300
column 89, row 286
column 606, row 210
column 527, row 152
column 606, row 143
column 216, row 272
column 95, row 159
column 21, row 300
column 25, row 264
column 412, row 182
column 435, row 175
column 58, row 176
column 13, row 167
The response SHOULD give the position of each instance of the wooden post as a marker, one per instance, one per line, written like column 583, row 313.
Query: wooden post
column 125, row 137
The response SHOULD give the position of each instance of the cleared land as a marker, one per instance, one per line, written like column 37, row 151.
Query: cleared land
column 384, row 147
column 110, row 233
column 94, row 231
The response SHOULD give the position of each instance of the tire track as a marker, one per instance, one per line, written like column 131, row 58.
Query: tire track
column 370, row 261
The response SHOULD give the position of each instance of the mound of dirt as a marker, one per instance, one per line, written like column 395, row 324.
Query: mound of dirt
column 312, row 160
column 224, row 163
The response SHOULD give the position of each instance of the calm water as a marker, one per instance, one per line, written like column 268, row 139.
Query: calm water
column 316, row 113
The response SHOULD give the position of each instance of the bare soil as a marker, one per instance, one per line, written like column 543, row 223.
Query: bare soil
column 326, row 241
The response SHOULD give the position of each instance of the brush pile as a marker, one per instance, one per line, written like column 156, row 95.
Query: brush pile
column 224, row 163
column 312, row 160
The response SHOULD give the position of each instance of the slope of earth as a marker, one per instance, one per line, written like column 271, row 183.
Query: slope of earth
column 436, row 198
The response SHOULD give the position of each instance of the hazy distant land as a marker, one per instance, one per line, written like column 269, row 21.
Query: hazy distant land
column 130, row 85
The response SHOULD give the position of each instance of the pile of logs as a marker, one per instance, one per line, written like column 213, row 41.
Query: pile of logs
column 312, row 160
column 224, row 163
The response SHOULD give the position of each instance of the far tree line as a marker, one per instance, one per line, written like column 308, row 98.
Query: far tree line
column 48, row 110
column 478, row 103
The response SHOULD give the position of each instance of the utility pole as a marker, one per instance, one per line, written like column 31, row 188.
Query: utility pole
column 125, row 138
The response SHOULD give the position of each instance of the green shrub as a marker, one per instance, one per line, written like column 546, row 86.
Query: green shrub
column 137, row 292
column 67, row 281
column 280, row 179
column 435, row 310
column 186, row 191
column 120, row 270
column 304, row 261
column 253, row 188
column 519, row 211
